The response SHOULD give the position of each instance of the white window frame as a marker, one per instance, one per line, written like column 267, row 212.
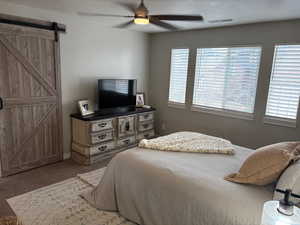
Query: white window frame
column 279, row 121
column 176, row 105
column 227, row 112
column 172, row 104
column 223, row 112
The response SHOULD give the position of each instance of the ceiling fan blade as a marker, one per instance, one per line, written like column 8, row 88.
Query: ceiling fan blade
column 124, row 25
column 101, row 14
column 163, row 24
column 129, row 6
column 178, row 17
column 221, row 21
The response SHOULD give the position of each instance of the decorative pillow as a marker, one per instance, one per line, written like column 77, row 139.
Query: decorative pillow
column 289, row 179
column 265, row 165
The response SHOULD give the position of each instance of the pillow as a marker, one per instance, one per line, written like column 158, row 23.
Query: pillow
column 290, row 179
column 265, row 165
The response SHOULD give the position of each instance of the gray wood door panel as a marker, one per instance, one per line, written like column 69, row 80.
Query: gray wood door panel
column 30, row 123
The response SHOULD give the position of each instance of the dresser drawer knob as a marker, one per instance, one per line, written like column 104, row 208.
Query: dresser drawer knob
column 146, row 126
column 102, row 124
column 102, row 148
column 102, row 136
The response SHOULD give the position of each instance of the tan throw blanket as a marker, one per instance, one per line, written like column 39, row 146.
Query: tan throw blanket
column 189, row 142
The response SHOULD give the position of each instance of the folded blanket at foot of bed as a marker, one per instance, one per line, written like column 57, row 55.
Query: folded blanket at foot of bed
column 189, row 142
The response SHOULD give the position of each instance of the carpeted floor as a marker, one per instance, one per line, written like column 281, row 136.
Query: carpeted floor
column 37, row 178
column 61, row 204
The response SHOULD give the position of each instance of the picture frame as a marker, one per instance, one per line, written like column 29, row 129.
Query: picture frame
column 86, row 107
column 140, row 99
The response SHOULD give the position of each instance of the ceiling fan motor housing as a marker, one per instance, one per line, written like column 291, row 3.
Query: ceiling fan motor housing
column 141, row 11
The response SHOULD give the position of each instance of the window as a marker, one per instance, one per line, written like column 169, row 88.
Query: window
column 284, row 90
column 226, row 79
column 178, row 76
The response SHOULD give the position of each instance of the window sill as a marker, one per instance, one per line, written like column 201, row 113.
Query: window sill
column 176, row 105
column 280, row 121
column 223, row 112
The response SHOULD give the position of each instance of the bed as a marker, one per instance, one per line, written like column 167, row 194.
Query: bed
column 175, row 188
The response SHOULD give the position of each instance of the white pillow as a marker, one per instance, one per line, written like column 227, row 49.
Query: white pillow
column 289, row 179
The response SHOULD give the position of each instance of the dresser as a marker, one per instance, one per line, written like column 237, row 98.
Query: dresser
column 102, row 135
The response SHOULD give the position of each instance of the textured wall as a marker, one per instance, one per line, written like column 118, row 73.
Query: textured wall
column 242, row 132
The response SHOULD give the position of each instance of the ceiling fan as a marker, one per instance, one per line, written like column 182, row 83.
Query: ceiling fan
column 141, row 17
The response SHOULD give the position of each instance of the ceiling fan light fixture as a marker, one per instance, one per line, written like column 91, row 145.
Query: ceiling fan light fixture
column 141, row 21
column 140, row 16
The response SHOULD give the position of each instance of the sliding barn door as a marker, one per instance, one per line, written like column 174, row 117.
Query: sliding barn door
column 30, row 104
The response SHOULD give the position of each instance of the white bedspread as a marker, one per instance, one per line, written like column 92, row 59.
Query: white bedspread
column 174, row 188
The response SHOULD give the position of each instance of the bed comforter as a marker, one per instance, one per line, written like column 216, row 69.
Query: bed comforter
column 174, row 188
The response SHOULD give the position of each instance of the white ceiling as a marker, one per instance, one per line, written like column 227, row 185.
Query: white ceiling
column 241, row 11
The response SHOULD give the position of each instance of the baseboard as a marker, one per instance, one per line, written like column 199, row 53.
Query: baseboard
column 67, row 155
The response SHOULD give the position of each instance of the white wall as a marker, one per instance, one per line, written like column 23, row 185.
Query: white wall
column 89, row 51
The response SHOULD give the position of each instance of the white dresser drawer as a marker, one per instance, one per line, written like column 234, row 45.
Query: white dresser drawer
column 126, row 141
column 101, row 125
column 146, row 126
column 105, row 147
column 89, row 151
column 146, row 135
column 102, row 137
column 146, row 117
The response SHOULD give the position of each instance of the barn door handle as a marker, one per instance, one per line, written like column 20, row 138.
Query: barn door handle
column 1, row 104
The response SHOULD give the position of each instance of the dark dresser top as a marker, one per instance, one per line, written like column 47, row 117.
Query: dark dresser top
column 103, row 114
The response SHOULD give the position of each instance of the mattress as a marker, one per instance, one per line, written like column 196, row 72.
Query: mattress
column 175, row 188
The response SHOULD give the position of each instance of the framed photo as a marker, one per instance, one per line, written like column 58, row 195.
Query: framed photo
column 86, row 107
column 140, row 99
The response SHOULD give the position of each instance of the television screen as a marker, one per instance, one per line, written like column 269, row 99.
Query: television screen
column 116, row 93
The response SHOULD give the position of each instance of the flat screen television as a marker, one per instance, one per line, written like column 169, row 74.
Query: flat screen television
column 115, row 93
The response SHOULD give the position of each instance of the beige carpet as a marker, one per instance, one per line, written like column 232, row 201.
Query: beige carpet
column 60, row 204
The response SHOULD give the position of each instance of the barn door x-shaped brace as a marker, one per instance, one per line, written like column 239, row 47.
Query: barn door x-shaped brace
column 51, row 26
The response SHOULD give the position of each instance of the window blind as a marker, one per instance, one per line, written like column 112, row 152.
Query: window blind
column 284, row 90
column 178, row 75
column 226, row 78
